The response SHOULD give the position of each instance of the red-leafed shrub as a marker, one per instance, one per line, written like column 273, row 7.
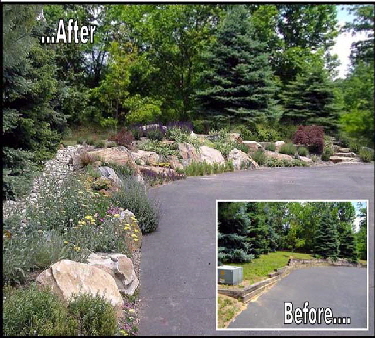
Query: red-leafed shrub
column 310, row 136
column 123, row 138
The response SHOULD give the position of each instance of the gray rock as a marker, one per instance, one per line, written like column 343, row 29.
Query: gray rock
column 109, row 173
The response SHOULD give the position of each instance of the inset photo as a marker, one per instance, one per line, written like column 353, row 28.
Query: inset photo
column 292, row 265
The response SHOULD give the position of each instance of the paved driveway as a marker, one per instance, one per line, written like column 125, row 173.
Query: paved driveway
column 178, row 274
column 342, row 289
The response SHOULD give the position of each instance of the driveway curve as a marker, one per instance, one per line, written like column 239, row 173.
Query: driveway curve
column 178, row 268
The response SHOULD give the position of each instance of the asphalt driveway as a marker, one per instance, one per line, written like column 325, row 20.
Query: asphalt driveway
column 341, row 289
column 178, row 268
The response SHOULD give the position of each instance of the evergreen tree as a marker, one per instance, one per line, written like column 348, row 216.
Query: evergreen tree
column 348, row 245
column 240, row 81
column 326, row 240
column 310, row 101
column 233, row 224
column 258, row 234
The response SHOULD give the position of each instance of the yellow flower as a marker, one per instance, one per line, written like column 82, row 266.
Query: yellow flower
column 134, row 235
column 116, row 215
column 65, row 242
column 126, row 228
column 81, row 223
column 135, row 239
column 77, row 248
column 131, row 310
column 136, row 230
column 88, row 217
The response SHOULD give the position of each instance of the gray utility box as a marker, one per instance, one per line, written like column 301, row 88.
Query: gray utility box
column 231, row 275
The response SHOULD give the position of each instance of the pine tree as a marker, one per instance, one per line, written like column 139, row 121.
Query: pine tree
column 326, row 239
column 258, row 229
column 348, row 245
column 240, row 80
column 233, row 230
column 310, row 101
column 361, row 235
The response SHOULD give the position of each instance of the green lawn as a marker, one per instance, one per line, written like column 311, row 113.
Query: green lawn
column 259, row 268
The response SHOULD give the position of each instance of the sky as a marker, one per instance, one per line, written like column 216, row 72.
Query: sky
column 344, row 40
column 363, row 204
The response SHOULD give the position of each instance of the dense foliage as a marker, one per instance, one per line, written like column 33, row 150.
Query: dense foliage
column 325, row 229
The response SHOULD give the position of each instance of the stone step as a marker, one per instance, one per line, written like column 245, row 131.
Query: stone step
column 345, row 154
column 341, row 159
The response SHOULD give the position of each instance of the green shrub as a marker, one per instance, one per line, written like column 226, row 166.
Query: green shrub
column 133, row 196
column 95, row 315
column 271, row 146
column 155, row 134
column 178, row 135
column 36, row 312
column 259, row 157
column 354, row 147
column 160, row 148
column 327, row 152
column 267, row 134
column 288, row 148
column 100, row 144
column 314, row 158
column 366, row 154
column 303, row 151
column 19, row 171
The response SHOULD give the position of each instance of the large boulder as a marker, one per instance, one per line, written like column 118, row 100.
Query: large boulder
column 67, row 278
column 143, row 157
column 252, row 145
column 118, row 155
column 279, row 144
column 211, row 155
column 110, row 174
column 175, row 162
column 278, row 156
column 305, row 159
column 188, row 153
column 241, row 160
column 120, row 267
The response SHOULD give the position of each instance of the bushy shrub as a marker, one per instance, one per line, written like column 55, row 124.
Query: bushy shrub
column 366, row 154
column 19, row 171
column 271, row 147
column 123, row 138
column 267, row 134
column 155, row 134
column 354, row 147
column 327, row 153
column 259, row 157
column 303, row 151
column 100, row 144
column 164, row 149
column 310, row 136
column 274, row 162
column 201, row 126
column 177, row 134
column 288, row 148
column 94, row 314
column 137, row 133
column 36, row 312
column 133, row 196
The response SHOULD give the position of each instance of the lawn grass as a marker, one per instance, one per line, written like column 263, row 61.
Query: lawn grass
column 228, row 308
column 259, row 268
